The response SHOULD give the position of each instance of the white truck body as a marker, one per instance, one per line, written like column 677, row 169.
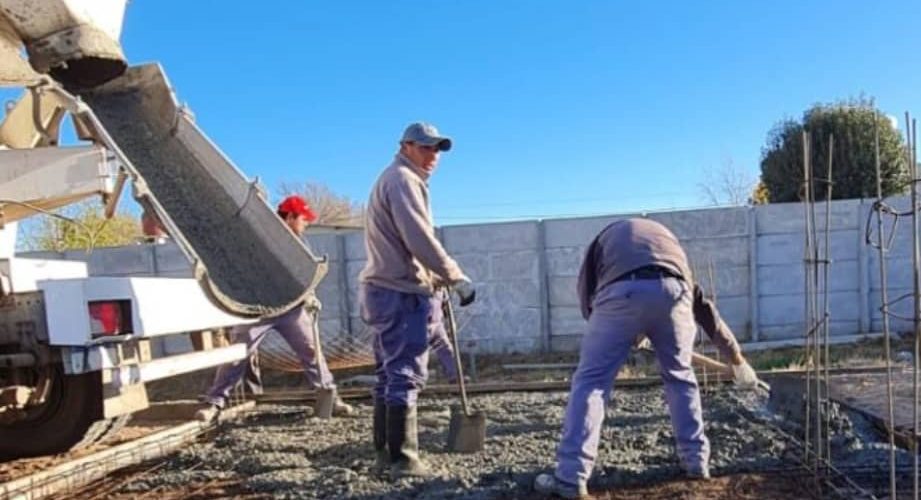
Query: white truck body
column 159, row 306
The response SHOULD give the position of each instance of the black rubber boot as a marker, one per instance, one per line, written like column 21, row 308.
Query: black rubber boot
column 381, row 455
column 403, row 441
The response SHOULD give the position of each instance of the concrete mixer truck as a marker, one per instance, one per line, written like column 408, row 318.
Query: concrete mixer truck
column 75, row 348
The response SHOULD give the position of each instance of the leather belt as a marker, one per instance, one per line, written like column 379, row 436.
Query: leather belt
column 648, row 273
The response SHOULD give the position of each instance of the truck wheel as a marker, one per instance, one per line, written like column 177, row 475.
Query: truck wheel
column 70, row 417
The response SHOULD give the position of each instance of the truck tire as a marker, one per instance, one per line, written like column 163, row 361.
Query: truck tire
column 70, row 417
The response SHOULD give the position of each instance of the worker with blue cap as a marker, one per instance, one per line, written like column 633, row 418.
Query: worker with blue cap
column 405, row 267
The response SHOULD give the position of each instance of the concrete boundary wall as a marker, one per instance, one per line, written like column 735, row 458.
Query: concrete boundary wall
column 525, row 272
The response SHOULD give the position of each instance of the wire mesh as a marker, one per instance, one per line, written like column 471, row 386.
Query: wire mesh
column 342, row 349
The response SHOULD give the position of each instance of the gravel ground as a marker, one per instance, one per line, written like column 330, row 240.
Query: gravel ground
column 282, row 452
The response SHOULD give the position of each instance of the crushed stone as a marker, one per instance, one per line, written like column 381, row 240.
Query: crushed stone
column 282, row 451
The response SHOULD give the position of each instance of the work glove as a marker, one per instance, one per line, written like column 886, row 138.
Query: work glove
column 313, row 304
column 464, row 289
column 744, row 375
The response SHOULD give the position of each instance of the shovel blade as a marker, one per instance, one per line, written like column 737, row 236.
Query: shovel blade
column 466, row 433
column 325, row 403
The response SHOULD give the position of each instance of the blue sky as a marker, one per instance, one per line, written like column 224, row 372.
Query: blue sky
column 556, row 108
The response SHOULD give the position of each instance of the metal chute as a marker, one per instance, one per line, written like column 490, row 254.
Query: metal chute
column 247, row 261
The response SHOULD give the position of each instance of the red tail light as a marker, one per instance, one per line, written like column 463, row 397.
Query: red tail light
column 110, row 317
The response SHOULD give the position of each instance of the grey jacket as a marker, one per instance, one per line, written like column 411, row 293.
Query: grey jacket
column 629, row 244
column 403, row 252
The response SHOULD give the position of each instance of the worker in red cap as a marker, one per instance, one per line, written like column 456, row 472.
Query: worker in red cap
column 295, row 327
column 296, row 213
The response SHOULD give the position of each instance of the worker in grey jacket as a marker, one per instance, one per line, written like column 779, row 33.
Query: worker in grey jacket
column 405, row 261
column 635, row 280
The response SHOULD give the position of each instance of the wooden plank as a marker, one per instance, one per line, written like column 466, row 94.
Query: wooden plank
column 763, row 373
column 172, row 410
column 82, row 471
column 443, row 389
column 763, row 345
column 299, row 395
column 125, row 399
column 202, row 340
column 539, row 366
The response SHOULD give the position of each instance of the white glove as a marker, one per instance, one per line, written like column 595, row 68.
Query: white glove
column 464, row 290
column 744, row 375
column 313, row 304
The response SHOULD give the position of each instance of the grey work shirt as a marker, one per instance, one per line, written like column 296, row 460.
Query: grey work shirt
column 403, row 252
column 630, row 244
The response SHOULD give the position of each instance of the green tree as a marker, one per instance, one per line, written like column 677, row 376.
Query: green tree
column 853, row 167
column 86, row 228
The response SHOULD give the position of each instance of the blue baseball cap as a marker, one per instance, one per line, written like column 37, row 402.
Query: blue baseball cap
column 427, row 135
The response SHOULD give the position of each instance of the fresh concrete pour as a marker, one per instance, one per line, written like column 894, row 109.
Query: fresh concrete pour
column 250, row 256
column 282, row 452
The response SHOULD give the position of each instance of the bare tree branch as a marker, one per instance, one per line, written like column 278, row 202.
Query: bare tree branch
column 728, row 184
column 331, row 208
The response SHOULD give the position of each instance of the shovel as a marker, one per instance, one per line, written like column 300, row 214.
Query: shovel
column 788, row 394
column 326, row 397
column 467, row 430
column 701, row 360
column 707, row 362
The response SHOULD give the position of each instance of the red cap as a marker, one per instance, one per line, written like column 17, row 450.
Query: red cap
column 296, row 205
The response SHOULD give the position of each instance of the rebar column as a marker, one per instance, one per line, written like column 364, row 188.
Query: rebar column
column 884, row 292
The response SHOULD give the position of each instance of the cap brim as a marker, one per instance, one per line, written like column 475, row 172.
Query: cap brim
column 309, row 214
column 442, row 143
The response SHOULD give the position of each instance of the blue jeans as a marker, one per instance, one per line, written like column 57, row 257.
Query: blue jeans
column 662, row 310
column 296, row 327
column 399, row 326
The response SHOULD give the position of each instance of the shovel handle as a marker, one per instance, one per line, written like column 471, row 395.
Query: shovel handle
column 451, row 325
column 318, row 347
column 706, row 361
column 701, row 360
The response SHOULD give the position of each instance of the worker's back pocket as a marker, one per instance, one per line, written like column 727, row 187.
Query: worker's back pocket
column 379, row 305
